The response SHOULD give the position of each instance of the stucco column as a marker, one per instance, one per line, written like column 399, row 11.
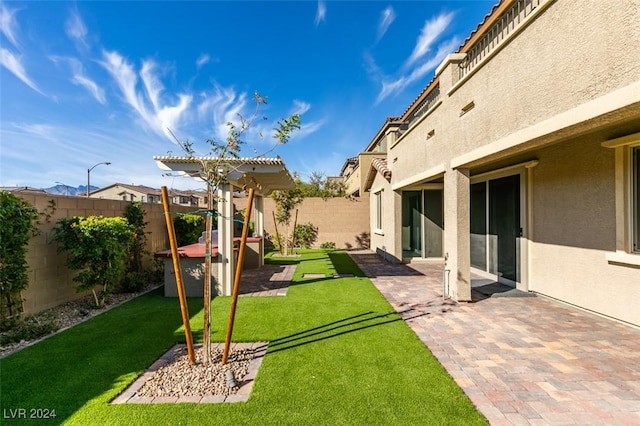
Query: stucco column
column 225, row 238
column 259, row 225
column 456, row 234
column 396, row 225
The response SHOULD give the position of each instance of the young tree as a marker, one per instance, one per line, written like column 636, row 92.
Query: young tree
column 321, row 186
column 214, row 172
column 286, row 202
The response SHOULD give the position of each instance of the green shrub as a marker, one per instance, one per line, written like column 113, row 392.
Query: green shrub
column 99, row 247
column 29, row 328
column 17, row 225
column 132, row 282
column 305, row 235
column 135, row 214
column 189, row 227
column 329, row 245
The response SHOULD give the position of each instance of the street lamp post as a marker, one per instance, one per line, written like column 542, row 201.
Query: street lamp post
column 89, row 175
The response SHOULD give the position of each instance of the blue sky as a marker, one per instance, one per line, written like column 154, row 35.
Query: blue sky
column 87, row 82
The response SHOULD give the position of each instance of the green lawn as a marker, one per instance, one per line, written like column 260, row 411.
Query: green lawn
column 338, row 355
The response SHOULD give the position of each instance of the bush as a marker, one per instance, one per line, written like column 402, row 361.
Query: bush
column 305, row 235
column 17, row 226
column 132, row 282
column 135, row 214
column 189, row 227
column 99, row 246
column 329, row 245
column 29, row 328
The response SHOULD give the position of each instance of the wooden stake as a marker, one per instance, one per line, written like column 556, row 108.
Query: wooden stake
column 178, row 271
column 275, row 223
column 206, row 326
column 293, row 237
column 236, row 280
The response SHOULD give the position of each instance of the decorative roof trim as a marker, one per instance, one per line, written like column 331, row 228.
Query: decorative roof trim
column 277, row 161
column 380, row 164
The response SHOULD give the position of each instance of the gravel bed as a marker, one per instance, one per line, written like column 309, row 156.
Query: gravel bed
column 71, row 313
column 179, row 378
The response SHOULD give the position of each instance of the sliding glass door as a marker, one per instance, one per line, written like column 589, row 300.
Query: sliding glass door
column 496, row 228
column 422, row 223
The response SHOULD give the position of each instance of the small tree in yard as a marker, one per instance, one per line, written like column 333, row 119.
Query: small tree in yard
column 286, row 202
column 135, row 277
column 17, row 225
column 99, row 246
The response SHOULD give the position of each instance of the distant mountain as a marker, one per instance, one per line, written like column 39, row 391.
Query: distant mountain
column 69, row 190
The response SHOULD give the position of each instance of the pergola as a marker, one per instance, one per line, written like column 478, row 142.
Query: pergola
column 263, row 175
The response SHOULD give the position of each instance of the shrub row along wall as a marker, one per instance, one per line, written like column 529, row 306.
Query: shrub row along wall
column 342, row 221
column 50, row 281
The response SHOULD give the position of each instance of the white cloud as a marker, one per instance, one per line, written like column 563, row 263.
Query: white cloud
column 8, row 24
column 307, row 129
column 96, row 91
column 14, row 65
column 300, row 107
column 75, row 28
column 421, row 61
column 203, row 59
column 157, row 116
column 321, row 12
column 386, row 19
column 79, row 78
column 223, row 105
column 393, row 86
column 432, row 29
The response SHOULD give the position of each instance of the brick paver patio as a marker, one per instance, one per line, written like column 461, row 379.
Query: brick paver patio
column 521, row 361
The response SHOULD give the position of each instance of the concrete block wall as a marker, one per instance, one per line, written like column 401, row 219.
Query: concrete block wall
column 50, row 281
column 339, row 220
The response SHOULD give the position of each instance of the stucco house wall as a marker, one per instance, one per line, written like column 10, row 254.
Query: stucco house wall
column 544, row 102
column 551, row 67
column 574, row 229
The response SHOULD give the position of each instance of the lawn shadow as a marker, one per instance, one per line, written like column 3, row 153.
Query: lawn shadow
column 82, row 363
column 375, row 266
column 337, row 328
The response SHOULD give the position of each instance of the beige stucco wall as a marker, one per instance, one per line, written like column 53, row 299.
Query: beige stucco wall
column 554, row 93
column 339, row 220
column 574, row 229
column 387, row 242
column 352, row 183
column 115, row 193
column 570, row 54
column 50, row 281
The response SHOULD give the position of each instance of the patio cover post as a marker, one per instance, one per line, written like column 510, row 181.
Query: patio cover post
column 225, row 237
column 259, row 225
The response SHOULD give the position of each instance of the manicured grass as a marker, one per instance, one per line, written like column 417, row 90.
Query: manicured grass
column 338, row 355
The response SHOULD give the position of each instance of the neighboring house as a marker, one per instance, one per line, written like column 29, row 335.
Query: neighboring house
column 520, row 160
column 22, row 189
column 146, row 194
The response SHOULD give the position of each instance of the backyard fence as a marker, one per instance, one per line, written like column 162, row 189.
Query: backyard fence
column 342, row 221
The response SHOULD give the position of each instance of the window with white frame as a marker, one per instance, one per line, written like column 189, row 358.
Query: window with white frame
column 627, row 192
column 378, row 210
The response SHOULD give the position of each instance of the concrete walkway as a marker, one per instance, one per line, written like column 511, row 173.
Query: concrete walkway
column 520, row 360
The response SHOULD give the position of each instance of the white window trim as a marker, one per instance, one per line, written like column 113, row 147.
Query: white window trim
column 624, row 254
column 378, row 213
